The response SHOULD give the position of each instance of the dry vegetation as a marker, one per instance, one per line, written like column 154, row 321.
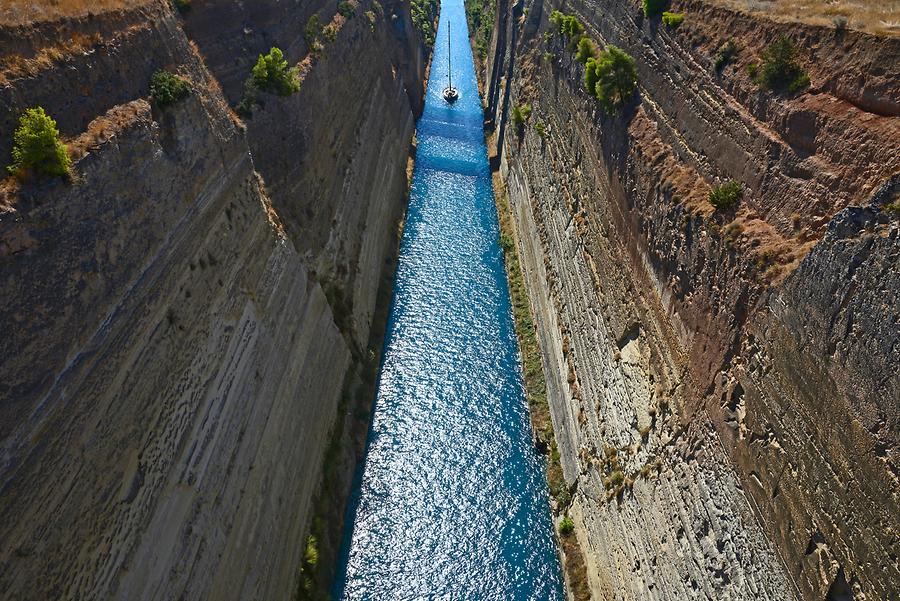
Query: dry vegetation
column 873, row 16
column 24, row 12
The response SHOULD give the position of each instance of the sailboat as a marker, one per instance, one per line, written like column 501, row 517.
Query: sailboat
column 450, row 93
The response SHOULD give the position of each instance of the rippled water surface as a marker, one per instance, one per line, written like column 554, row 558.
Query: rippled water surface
column 450, row 501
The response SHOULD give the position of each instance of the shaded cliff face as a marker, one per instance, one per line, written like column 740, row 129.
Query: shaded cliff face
column 739, row 366
column 177, row 343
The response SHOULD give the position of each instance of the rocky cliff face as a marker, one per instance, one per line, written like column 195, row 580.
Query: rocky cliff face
column 723, row 384
column 182, row 321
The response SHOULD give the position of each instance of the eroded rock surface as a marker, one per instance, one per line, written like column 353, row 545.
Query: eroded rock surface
column 723, row 385
column 183, row 322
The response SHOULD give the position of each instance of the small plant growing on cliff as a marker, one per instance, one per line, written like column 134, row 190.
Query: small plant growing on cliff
column 540, row 129
column 506, row 243
column 616, row 78
column 586, row 49
column 372, row 19
column 347, row 9
column 893, row 209
column 672, row 20
column 566, row 526
column 167, row 88
column 311, row 33
column 37, row 147
column 330, row 33
column 568, row 26
column 653, row 7
column 311, row 554
column 727, row 195
column 521, row 114
column 272, row 74
column 779, row 69
column 726, row 54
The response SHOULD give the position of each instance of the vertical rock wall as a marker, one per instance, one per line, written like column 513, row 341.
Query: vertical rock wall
column 172, row 365
column 706, row 371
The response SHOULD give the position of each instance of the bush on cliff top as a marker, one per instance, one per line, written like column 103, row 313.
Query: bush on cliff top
column 167, row 88
column 779, row 69
column 727, row 195
column 272, row 74
column 37, row 147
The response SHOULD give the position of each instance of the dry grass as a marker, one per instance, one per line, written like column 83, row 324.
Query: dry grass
column 14, row 66
column 880, row 17
column 25, row 12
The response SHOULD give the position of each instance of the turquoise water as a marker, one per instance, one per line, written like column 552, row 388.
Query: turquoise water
column 450, row 502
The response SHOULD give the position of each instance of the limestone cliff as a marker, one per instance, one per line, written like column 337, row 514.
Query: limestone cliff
column 184, row 322
column 723, row 384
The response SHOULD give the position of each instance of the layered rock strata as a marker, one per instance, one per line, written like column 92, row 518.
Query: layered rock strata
column 721, row 383
column 181, row 321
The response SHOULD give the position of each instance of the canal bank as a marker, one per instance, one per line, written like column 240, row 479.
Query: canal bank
column 450, row 501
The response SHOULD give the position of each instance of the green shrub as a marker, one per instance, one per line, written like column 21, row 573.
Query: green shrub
column 311, row 554
column 591, row 76
column 586, row 49
column 567, row 25
column 182, row 5
column 347, row 9
column 893, row 208
column 654, row 7
column 672, row 20
column 779, row 69
column 616, row 78
column 566, row 526
column 615, row 479
column 727, row 195
column 311, row 33
column 37, row 147
column 521, row 114
column 372, row 19
column 726, row 54
column 167, row 88
column 272, row 74
column 540, row 129
column 330, row 32
column 506, row 243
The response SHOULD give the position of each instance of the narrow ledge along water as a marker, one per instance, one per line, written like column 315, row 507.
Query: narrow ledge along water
column 450, row 501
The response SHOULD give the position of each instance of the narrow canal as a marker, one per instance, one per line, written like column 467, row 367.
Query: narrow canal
column 450, row 502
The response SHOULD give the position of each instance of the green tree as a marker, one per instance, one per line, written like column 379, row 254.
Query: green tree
column 653, row 7
column 616, row 78
column 779, row 69
column 586, row 49
column 271, row 73
column 37, row 147
column 591, row 76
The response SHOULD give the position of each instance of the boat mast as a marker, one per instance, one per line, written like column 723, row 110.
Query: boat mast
column 449, row 73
